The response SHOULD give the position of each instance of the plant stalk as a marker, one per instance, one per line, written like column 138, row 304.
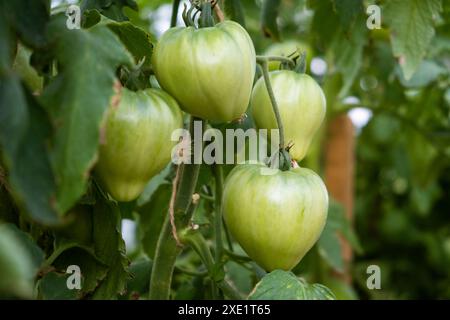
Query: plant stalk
column 167, row 249
column 218, row 174
column 261, row 59
column 173, row 18
column 199, row 245
column 265, row 69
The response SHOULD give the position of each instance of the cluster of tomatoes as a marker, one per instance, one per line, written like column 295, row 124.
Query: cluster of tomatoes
column 209, row 73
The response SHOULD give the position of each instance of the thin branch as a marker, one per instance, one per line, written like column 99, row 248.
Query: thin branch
column 219, row 12
column 173, row 19
column 265, row 70
column 261, row 59
column 218, row 175
column 172, row 205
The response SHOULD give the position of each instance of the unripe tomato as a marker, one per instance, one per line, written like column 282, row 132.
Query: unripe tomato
column 285, row 49
column 137, row 141
column 275, row 218
column 209, row 71
column 301, row 103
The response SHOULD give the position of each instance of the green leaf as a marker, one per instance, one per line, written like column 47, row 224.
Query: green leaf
column 347, row 11
column 93, row 271
column 330, row 249
column 427, row 72
column 77, row 99
column 20, row 259
column 29, row 245
column 347, row 51
column 112, row 9
column 24, row 131
column 138, row 283
column 152, row 216
column 282, row 285
column 329, row 245
column 153, row 185
column 234, row 10
column 110, row 248
column 269, row 14
column 28, row 19
column 53, row 286
column 8, row 212
column 411, row 28
column 138, row 42
column 91, row 18
column 240, row 276
column 27, row 73
column 324, row 21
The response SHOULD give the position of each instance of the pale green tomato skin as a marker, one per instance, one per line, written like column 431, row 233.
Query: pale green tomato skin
column 137, row 141
column 285, row 49
column 275, row 218
column 302, row 107
column 209, row 71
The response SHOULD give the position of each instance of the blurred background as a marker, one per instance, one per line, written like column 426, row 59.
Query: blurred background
column 384, row 150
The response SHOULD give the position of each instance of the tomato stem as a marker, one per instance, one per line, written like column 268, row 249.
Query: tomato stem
column 173, row 18
column 166, row 248
column 301, row 66
column 286, row 60
column 166, row 254
column 218, row 175
column 265, row 69
column 206, row 17
column 198, row 243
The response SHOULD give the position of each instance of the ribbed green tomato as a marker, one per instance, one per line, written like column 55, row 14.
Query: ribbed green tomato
column 301, row 103
column 285, row 49
column 209, row 71
column 275, row 218
column 137, row 141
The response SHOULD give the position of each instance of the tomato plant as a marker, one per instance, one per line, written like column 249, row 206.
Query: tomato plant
column 132, row 159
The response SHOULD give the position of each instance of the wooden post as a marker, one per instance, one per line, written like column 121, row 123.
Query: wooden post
column 339, row 174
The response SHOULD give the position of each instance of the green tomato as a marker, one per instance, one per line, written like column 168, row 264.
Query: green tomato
column 209, row 71
column 301, row 103
column 285, row 49
column 275, row 218
column 137, row 141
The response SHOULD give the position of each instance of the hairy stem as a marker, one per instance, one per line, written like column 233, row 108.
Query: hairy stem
column 173, row 19
column 199, row 245
column 265, row 69
column 261, row 59
column 218, row 175
column 167, row 249
column 163, row 264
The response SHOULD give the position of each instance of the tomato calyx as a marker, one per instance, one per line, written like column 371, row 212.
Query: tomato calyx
column 281, row 160
column 301, row 63
column 204, row 7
